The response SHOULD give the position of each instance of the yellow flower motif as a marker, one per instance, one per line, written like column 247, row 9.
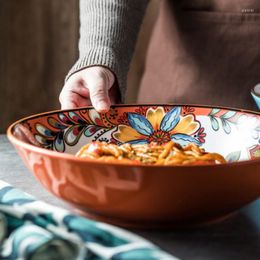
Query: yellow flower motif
column 158, row 126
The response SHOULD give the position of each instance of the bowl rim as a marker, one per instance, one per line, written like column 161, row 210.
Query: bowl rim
column 254, row 93
column 67, row 156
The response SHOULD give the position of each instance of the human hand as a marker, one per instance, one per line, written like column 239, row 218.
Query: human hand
column 92, row 85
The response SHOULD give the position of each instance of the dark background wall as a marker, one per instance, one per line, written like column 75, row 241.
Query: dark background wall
column 38, row 45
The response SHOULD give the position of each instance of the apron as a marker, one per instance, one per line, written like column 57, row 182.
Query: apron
column 204, row 52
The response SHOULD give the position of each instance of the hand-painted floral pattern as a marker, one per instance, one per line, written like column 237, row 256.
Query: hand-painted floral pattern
column 159, row 126
column 68, row 128
column 224, row 119
column 254, row 151
column 207, row 127
column 233, row 156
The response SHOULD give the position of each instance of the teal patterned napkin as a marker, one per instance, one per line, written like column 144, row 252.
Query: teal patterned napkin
column 33, row 229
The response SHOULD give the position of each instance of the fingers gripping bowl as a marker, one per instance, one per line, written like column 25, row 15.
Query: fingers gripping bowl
column 145, row 195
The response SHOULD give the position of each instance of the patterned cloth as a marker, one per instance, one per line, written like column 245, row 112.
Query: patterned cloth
column 32, row 229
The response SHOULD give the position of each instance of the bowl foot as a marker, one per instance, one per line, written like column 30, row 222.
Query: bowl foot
column 152, row 225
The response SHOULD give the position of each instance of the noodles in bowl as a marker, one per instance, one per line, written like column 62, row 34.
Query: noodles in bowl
column 167, row 154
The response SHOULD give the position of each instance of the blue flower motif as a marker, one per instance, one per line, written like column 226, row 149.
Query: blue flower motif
column 158, row 126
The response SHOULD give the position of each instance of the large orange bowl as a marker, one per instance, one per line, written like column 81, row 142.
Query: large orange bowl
column 142, row 195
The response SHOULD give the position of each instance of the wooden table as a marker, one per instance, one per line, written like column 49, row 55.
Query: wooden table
column 238, row 237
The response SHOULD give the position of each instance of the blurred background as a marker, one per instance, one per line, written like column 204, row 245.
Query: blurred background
column 38, row 46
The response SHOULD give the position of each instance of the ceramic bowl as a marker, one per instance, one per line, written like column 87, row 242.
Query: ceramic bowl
column 255, row 92
column 141, row 195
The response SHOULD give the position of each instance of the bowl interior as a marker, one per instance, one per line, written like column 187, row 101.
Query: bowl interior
column 234, row 134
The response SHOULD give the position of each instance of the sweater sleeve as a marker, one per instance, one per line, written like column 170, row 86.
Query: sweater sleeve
column 108, row 33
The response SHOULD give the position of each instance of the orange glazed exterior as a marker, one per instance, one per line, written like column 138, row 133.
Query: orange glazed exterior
column 142, row 195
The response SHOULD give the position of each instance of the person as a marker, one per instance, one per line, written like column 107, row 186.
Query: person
column 201, row 52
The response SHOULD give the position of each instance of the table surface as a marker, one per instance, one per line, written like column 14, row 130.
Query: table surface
column 237, row 237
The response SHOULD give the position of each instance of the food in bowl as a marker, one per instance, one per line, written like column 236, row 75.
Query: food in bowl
column 170, row 153
column 145, row 195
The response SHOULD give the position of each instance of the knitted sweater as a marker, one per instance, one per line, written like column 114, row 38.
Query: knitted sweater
column 108, row 32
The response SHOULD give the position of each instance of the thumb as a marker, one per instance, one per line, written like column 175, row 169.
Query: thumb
column 98, row 84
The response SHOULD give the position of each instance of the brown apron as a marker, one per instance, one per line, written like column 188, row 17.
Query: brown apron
column 204, row 52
